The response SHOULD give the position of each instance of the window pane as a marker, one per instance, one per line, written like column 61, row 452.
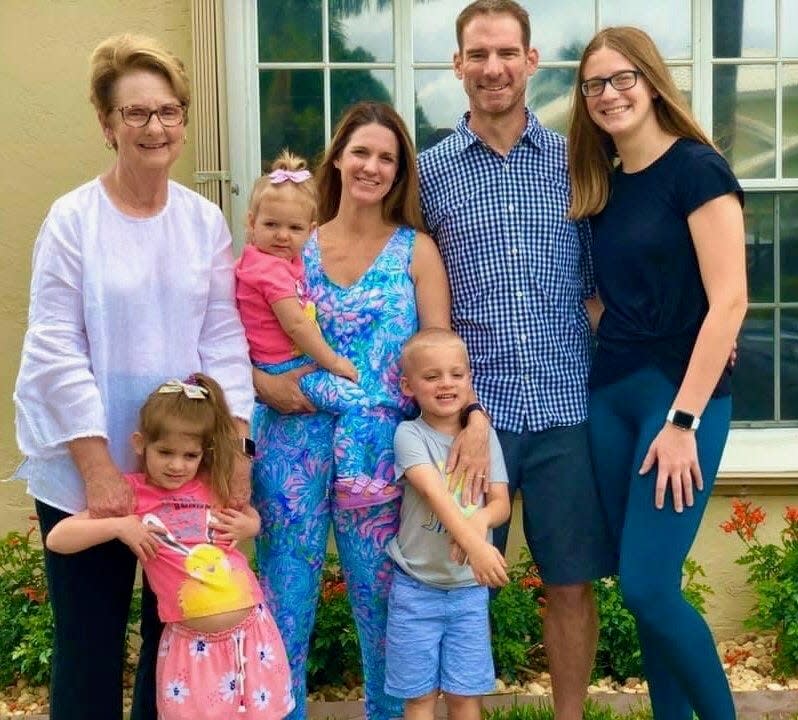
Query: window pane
column 350, row 86
column 434, row 38
column 549, row 92
column 359, row 33
column 788, row 246
column 668, row 23
column 789, row 119
column 744, row 123
column 683, row 77
column 440, row 101
column 289, row 30
column 753, row 373
column 789, row 364
column 789, row 19
column 759, row 246
column 291, row 113
column 744, row 28
column 561, row 30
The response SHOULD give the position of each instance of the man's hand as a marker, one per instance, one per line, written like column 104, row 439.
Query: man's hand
column 469, row 459
column 281, row 392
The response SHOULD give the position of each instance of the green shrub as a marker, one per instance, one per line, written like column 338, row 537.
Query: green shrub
column 334, row 657
column 516, row 622
column 773, row 575
column 26, row 616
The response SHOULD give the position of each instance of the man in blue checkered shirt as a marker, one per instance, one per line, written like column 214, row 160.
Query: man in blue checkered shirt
column 495, row 195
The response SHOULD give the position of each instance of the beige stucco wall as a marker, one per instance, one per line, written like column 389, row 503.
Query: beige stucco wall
column 50, row 142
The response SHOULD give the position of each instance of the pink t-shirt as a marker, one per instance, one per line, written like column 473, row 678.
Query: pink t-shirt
column 263, row 279
column 191, row 576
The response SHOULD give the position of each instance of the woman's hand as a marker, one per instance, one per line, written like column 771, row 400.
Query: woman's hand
column 232, row 525
column 676, row 456
column 108, row 494
column 241, row 482
column 469, row 459
column 281, row 392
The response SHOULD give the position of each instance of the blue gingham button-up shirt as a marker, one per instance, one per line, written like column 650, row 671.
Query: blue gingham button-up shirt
column 519, row 272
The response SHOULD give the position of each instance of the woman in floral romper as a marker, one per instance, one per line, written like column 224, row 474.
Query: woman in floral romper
column 375, row 278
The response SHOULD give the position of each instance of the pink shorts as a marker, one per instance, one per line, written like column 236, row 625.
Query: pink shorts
column 239, row 673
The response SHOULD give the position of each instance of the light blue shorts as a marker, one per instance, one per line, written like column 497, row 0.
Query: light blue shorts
column 437, row 640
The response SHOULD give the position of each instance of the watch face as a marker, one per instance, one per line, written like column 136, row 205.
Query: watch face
column 683, row 419
column 248, row 446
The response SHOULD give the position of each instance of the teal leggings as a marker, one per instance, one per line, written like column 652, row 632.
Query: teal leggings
column 679, row 657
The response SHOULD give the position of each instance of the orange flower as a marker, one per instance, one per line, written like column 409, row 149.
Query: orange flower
column 744, row 520
column 791, row 514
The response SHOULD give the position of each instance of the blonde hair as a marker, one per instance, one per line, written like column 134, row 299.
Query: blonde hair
column 430, row 338
column 120, row 54
column 591, row 151
column 494, row 7
column 208, row 418
column 264, row 186
column 402, row 204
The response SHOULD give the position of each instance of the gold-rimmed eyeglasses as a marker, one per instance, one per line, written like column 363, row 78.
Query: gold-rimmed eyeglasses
column 137, row 116
column 622, row 80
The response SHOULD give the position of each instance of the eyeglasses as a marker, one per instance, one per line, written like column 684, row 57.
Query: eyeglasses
column 137, row 116
column 620, row 81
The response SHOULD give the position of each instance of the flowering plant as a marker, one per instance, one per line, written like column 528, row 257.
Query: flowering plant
column 773, row 575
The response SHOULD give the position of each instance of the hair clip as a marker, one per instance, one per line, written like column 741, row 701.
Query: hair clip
column 295, row 176
column 191, row 391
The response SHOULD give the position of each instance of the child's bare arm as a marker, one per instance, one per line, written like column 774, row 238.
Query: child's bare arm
column 301, row 329
column 233, row 525
column 495, row 512
column 485, row 560
column 80, row 532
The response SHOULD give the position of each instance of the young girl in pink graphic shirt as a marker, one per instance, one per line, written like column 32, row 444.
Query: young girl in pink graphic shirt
column 220, row 651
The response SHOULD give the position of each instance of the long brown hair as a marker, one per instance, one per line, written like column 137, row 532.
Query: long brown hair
column 591, row 151
column 402, row 204
column 206, row 416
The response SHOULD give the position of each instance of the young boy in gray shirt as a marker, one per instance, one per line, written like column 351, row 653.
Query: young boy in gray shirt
column 438, row 635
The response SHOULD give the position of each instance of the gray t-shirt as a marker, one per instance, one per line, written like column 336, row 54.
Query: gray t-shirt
column 421, row 548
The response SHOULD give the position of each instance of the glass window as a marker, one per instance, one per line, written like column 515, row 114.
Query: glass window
column 314, row 58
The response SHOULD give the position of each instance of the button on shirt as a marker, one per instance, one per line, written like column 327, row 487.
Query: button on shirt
column 519, row 272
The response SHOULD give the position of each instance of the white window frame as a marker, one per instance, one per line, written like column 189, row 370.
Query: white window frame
column 754, row 452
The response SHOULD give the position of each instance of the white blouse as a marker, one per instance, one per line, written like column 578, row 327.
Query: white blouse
column 118, row 305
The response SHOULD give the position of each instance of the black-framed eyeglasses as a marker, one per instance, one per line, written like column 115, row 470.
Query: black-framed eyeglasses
column 137, row 116
column 622, row 80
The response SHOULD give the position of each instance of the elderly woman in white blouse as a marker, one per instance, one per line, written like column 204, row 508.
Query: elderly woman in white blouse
column 132, row 285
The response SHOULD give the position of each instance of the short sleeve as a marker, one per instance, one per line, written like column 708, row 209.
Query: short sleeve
column 705, row 175
column 498, row 470
column 409, row 448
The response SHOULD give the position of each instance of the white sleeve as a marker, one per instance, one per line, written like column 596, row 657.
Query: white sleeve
column 56, row 396
column 223, row 348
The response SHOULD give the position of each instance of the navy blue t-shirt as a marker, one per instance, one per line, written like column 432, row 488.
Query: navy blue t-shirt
column 646, row 267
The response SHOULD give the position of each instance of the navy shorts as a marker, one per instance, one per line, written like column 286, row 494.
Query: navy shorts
column 564, row 523
column 437, row 640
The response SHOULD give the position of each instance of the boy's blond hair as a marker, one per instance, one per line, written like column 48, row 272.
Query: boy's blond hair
column 430, row 338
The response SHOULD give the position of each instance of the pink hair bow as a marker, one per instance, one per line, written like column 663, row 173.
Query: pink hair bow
column 295, row 176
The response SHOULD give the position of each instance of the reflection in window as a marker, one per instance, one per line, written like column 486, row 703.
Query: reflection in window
column 744, row 28
column 744, row 123
column 753, row 373
column 759, row 244
column 549, row 91
column 440, row 102
column 350, row 86
column 668, row 23
column 289, row 30
column 788, row 246
column 789, row 19
column 789, row 119
column 291, row 113
column 359, row 32
column 789, row 364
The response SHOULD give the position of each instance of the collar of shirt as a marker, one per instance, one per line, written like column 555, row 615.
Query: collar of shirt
column 532, row 133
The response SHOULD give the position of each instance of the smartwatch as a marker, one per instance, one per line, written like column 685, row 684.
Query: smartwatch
column 683, row 420
column 468, row 409
column 248, row 447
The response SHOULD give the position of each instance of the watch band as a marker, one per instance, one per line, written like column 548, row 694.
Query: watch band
column 248, row 447
column 683, row 420
column 472, row 407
